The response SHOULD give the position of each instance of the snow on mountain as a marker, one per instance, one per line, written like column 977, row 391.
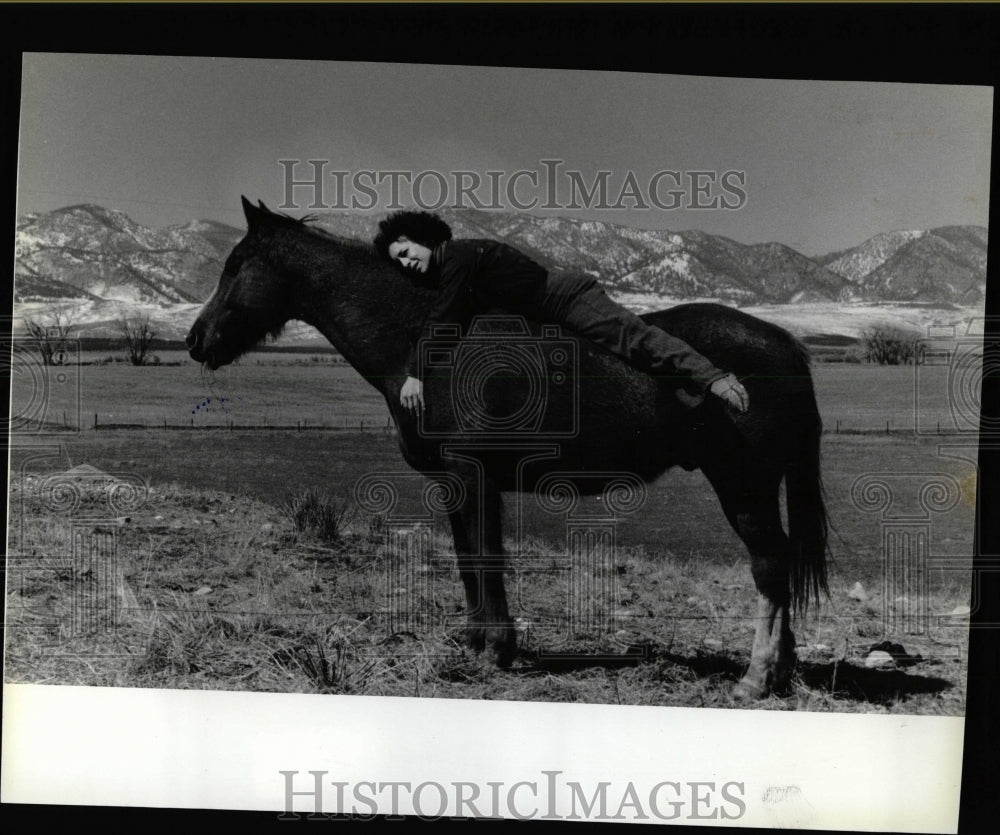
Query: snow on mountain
column 946, row 264
column 931, row 269
column 101, row 262
column 854, row 264
column 95, row 252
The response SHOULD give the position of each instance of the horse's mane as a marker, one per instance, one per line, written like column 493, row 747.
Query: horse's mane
column 384, row 284
column 306, row 224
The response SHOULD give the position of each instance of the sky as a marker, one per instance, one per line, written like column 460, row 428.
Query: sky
column 817, row 165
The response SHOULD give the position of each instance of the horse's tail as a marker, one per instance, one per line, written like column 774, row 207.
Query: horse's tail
column 807, row 520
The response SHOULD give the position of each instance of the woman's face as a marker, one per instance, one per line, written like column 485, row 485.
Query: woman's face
column 412, row 256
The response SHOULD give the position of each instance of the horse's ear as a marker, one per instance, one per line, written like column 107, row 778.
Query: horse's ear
column 255, row 216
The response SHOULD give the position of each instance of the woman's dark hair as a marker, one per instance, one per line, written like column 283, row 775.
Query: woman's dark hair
column 420, row 227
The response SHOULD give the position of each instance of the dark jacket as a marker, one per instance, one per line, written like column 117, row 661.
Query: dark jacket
column 474, row 276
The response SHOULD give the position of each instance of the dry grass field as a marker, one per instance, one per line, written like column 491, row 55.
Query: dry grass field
column 204, row 575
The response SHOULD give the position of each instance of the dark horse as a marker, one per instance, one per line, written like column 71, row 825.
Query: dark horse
column 285, row 269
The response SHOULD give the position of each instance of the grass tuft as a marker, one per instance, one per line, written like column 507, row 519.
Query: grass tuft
column 314, row 513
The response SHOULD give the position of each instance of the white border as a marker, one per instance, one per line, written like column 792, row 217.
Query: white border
column 213, row 750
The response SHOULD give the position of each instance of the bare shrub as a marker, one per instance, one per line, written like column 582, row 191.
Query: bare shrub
column 317, row 514
column 137, row 337
column 888, row 345
column 51, row 337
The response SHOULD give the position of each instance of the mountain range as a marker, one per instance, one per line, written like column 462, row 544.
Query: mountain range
column 88, row 253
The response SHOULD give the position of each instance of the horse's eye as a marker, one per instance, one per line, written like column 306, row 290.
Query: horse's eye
column 233, row 264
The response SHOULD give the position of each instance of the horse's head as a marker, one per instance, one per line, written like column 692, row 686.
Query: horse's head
column 252, row 298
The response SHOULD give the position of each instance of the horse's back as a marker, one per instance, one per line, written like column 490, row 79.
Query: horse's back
column 596, row 410
column 732, row 339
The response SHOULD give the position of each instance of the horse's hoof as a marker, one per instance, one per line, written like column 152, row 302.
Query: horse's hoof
column 497, row 657
column 749, row 690
column 501, row 644
column 503, row 655
column 497, row 646
column 475, row 638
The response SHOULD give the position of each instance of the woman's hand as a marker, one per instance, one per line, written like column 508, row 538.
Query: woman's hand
column 412, row 395
column 731, row 390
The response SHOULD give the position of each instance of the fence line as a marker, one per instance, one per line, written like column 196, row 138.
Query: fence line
column 840, row 427
column 366, row 425
column 372, row 425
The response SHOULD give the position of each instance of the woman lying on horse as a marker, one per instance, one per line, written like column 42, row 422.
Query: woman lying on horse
column 475, row 276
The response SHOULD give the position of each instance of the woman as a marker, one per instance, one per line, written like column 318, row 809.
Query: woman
column 474, row 276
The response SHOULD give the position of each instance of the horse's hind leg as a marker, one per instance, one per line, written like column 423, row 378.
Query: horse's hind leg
column 755, row 516
column 478, row 532
column 773, row 656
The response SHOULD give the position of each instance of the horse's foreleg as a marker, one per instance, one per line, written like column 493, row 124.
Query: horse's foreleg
column 478, row 531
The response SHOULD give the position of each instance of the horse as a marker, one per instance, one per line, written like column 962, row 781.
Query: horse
column 613, row 418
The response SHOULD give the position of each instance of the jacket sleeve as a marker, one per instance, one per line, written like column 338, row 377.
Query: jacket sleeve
column 451, row 305
column 689, row 363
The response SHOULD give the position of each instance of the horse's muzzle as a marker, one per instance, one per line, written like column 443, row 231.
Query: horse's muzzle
column 196, row 345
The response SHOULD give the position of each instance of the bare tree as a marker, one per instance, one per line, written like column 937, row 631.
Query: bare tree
column 137, row 336
column 51, row 338
column 887, row 345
